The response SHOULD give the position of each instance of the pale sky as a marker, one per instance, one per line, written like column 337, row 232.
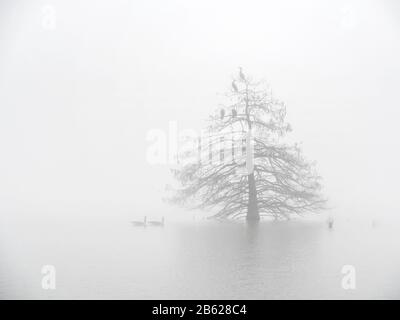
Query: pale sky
column 79, row 95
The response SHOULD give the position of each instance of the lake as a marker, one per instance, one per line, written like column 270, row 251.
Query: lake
column 111, row 259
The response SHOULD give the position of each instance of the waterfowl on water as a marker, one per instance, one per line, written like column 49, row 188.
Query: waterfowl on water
column 157, row 223
column 140, row 223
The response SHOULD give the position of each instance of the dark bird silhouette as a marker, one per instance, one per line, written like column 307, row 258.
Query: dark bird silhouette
column 157, row 223
column 330, row 223
column 140, row 223
column 222, row 113
column 234, row 113
column 241, row 74
column 234, row 86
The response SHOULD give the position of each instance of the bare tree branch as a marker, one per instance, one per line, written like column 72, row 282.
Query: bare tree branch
column 285, row 182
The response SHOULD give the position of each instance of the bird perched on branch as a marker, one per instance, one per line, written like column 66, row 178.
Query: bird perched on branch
column 234, row 86
column 222, row 113
column 241, row 74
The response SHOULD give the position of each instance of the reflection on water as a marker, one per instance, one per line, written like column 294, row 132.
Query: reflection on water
column 273, row 260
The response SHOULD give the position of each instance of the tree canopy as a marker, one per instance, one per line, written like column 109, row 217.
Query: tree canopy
column 243, row 167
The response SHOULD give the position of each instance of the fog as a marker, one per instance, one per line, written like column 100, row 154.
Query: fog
column 82, row 83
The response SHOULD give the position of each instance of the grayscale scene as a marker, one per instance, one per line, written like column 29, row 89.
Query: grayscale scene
column 199, row 149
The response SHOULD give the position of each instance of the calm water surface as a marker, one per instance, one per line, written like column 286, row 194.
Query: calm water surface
column 110, row 259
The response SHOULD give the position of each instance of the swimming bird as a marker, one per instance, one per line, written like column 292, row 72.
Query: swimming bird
column 140, row 223
column 157, row 223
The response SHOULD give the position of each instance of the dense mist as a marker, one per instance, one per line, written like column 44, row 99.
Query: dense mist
column 84, row 83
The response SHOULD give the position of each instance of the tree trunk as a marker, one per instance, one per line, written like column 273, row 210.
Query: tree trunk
column 252, row 208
